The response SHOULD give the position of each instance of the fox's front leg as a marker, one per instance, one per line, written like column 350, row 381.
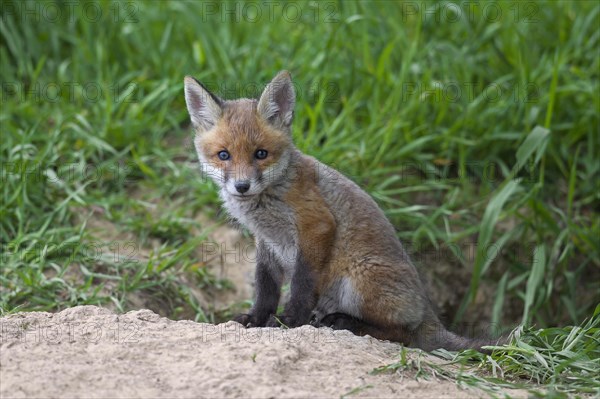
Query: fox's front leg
column 303, row 298
column 268, row 280
column 316, row 231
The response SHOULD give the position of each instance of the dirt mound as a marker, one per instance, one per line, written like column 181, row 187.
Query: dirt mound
column 87, row 351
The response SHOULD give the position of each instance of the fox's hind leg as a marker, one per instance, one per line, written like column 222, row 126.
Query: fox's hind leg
column 342, row 321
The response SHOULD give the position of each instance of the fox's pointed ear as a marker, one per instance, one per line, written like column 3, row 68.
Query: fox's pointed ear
column 203, row 106
column 276, row 104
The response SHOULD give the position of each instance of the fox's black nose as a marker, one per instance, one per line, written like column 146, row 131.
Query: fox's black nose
column 242, row 186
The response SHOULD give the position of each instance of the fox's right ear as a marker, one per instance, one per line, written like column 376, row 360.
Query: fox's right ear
column 203, row 106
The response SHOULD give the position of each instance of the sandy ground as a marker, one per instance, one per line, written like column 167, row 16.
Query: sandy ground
column 87, row 351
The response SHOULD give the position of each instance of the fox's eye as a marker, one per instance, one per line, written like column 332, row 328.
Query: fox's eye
column 223, row 155
column 261, row 154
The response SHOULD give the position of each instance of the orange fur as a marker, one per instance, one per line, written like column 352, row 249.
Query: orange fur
column 315, row 224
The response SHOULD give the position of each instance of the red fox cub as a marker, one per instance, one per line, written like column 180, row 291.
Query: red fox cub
column 313, row 226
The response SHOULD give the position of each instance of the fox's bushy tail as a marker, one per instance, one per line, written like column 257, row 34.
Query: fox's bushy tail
column 431, row 335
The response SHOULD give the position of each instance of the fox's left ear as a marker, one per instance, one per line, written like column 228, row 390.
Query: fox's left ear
column 276, row 104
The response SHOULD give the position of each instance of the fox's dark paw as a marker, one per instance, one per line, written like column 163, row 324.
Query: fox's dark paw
column 338, row 321
column 283, row 321
column 249, row 320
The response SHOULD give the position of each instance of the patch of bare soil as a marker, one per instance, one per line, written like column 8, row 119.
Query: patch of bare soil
column 229, row 256
column 87, row 351
column 226, row 254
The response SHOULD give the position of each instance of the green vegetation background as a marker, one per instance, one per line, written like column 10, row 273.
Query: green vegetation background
column 475, row 125
column 471, row 125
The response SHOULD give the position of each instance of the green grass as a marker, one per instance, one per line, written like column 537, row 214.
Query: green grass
column 551, row 362
column 472, row 131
